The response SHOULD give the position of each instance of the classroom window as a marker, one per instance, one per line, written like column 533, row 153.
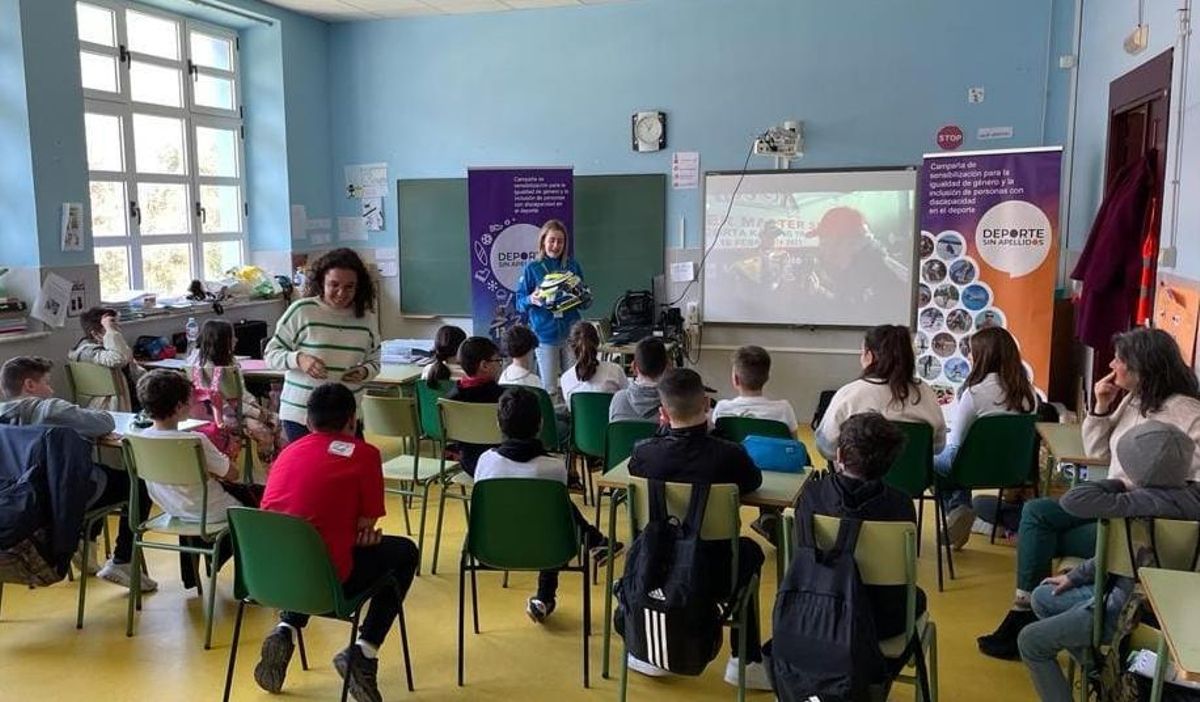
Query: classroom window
column 162, row 120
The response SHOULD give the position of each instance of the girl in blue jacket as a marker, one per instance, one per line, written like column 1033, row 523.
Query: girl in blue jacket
column 551, row 328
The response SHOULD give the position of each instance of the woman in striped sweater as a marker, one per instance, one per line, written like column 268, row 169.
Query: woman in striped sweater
column 330, row 335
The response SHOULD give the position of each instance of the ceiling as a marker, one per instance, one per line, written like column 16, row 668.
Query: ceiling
column 351, row 10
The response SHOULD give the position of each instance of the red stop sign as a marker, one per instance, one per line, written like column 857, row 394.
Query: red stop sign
column 949, row 137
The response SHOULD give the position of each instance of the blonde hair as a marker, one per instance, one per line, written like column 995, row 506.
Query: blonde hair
column 551, row 225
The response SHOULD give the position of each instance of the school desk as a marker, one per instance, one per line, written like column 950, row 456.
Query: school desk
column 124, row 422
column 1173, row 596
column 1064, row 446
column 390, row 374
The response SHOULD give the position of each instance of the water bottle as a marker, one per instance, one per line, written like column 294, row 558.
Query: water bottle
column 193, row 333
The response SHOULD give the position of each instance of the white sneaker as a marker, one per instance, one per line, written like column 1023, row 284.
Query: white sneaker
column 93, row 557
column 958, row 526
column 756, row 675
column 640, row 666
column 120, row 573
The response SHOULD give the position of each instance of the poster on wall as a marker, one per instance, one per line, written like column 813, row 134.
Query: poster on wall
column 507, row 207
column 988, row 257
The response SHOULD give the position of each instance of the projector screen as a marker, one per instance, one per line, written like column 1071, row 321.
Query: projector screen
column 810, row 247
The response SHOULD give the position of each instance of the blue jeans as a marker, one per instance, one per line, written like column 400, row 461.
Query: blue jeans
column 1064, row 623
column 552, row 360
column 942, row 463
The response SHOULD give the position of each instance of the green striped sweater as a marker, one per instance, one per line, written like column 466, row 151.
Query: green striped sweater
column 337, row 337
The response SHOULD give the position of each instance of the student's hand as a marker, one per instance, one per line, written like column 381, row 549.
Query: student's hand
column 1105, row 391
column 368, row 537
column 109, row 322
column 312, row 366
column 1061, row 583
column 535, row 300
column 356, row 374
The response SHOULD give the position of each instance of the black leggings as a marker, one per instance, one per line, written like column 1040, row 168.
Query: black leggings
column 116, row 491
column 248, row 495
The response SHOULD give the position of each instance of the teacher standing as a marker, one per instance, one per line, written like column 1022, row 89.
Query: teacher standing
column 550, row 327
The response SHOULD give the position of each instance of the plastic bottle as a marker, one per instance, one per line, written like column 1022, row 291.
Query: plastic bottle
column 193, row 333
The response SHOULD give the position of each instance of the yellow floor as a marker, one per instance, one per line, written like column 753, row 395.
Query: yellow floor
column 41, row 652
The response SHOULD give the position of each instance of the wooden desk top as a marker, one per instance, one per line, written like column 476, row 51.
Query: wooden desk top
column 1065, row 443
column 1173, row 595
column 124, row 421
column 778, row 490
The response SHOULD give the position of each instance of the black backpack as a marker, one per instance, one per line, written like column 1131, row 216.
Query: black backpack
column 825, row 646
column 666, row 611
column 823, row 402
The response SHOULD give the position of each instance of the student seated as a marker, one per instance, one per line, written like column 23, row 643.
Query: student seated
column 868, row 444
column 589, row 373
column 1157, row 461
column 887, row 385
column 640, row 399
column 520, row 343
column 997, row 384
column 103, row 344
column 215, row 352
column 334, row 480
column 28, row 400
column 689, row 454
column 480, row 360
column 166, row 396
column 445, row 354
column 751, row 371
column 522, row 456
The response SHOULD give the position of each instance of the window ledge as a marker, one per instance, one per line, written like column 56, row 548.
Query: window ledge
column 200, row 308
column 24, row 336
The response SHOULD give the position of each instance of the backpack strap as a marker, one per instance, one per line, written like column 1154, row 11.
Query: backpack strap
column 847, row 536
column 696, row 507
column 657, row 500
column 1196, row 552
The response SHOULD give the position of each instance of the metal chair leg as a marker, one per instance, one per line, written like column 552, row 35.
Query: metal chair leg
column 421, row 528
column 303, row 653
column 237, row 630
column 937, row 537
column 211, row 613
column 462, row 593
column 404, row 508
column 949, row 550
column 920, row 520
column 136, row 571
column 587, row 618
column 608, row 587
column 996, row 519
column 353, row 638
column 474, row 596
column 404, row 642
column 437, row 534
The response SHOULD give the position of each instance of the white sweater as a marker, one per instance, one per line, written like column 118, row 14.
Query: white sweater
column 1101, row 433
column 609, row 377
column 982, row 400
column 336, row 336
column 874, row 396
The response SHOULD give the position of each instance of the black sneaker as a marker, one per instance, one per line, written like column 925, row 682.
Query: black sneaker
column 1002, row 643
column 362, row 672
column 766, row 526
column 539, row 610
column 277, row 650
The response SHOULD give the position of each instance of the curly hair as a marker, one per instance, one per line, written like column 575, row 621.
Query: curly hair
column 868, row 445
column 364, row 292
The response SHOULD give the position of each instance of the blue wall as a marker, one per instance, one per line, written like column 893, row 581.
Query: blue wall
column 872, row 80
column 18, row 218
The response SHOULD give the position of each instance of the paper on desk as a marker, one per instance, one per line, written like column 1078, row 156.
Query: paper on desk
column 52, row 300
column 351, row 229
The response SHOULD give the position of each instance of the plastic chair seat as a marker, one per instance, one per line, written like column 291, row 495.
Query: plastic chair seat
column 166, row 524
column 400, row 468
column 894, row 647
column 389, row 446
column 461, row 478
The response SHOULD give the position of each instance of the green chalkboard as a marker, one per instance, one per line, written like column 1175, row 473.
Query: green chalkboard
column 620, row 229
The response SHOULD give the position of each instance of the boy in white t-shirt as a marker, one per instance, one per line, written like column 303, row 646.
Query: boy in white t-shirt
column 520, row 343
column 751, row 370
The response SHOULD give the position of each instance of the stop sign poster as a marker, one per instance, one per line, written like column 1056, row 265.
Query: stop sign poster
column 949, row 137
column 988, row 258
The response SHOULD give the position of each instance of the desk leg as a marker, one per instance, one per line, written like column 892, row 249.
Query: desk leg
column 780, row 551
column 614, row 497
column 1160, row 669
column 1050, row 464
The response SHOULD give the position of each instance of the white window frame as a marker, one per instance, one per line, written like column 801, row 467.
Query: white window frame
column 120, row 104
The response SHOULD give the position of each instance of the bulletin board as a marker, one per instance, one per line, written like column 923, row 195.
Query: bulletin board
column 1176, row 308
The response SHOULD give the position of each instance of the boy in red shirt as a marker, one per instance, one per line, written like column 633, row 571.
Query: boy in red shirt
column 335, row 481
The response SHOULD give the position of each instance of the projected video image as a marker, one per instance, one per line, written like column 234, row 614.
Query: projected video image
column 791, row 254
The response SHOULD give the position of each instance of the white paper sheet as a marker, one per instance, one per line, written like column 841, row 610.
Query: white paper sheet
column 319, row 225
column 685, row 170
column 351, row 229
column 366, row 180
column 387, row 254
column 388, row 269
column 52, row 300
column 372, row 214
column 321, row 238
column 71, row 234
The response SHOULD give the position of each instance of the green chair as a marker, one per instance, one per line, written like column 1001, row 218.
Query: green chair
column 912, row 473
column 427, row 411
column 91, row 381
column 994, row 455
column 525, row 525
column 551, row 441
column 736, row 429
column 471, row 423
column 171, row 462
column 1175, row 544
column 282, row 563
column 589, row 428
column 721, row 523
column 886, row 554
column 619, row 441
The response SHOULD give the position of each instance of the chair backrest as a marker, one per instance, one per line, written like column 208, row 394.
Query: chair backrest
column 551, row 441
column 886, row 552
column 232, row 385
column 522, row 524
column 282, row 562
column 589, row 421
column 738, row 428
column 995, row 452
column 91, row 380
column 169, row 461
column 390, row 416
column 913, row 470
column 427, row 410
column 470, row 422
column 721, row 518
column 622, row 436
column 1174, row 541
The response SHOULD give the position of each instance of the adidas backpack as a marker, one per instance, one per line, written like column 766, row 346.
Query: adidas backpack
column 667, row 613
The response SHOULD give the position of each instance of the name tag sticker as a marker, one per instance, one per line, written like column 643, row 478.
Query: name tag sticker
column 344, row 449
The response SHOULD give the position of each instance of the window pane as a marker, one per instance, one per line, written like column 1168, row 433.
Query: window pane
column 104, row 142
column 167, row 268
column 216, row 152
column 155, row 84
column 152, row 35
column 98, row 71
column 220, row 256
column 158, row 144
column 95, row 24
column 221, row 209
column 164, row 208
column 214, row 92
column 212, row 52
column 114, row 270
column 109, row 208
